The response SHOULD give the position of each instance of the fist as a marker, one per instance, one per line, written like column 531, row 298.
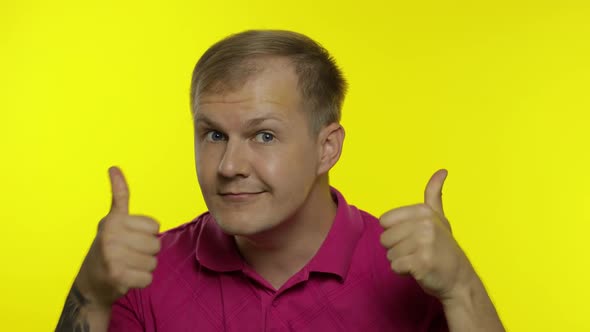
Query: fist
column 420, row 244
column 122, row 255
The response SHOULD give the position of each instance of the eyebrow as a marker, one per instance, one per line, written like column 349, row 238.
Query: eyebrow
column 249, row 124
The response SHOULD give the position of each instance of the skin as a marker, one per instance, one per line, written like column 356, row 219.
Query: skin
column 263, row 174
column 420, row 244
column 122, row 256
column 264, row 177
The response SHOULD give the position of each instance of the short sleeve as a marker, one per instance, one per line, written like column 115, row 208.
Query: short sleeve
column 125, row 314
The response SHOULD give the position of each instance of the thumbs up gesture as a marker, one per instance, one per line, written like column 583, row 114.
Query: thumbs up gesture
column 420, row 244
column 122, row 255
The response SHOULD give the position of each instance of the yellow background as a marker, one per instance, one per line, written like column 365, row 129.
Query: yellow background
column 497, row 92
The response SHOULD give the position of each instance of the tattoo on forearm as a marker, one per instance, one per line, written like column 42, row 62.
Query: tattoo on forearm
column 73, row 316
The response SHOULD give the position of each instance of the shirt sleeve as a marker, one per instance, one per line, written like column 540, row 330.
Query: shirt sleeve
column 125, row 314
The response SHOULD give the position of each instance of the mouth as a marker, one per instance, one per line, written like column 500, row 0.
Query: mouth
column 239, row 196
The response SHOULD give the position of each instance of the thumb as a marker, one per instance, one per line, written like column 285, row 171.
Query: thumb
column 433, row 192
column 120, row 203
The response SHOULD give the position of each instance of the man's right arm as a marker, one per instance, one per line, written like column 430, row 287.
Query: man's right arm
column 122, row 256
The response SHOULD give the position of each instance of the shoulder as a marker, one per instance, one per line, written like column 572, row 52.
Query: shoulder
column 178, row 242
column 371, row 231
column 401, row 295
column 371, row 222
column 379, row 263
column 173, row 283
column 177, row 254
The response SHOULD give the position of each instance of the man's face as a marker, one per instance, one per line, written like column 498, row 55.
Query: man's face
column 256, row 161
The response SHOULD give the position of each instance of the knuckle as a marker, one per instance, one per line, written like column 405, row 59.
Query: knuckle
column 427, row 225
column 109, row 256
column 384, row 218
column 424, row 241
column 427, row 232
column 146, row 219
column 105, row 250
column 401, row 266
column 152, row 263
column 383, row 239
column 116, row 273
column 142, row 216
column 122, row 289
column 426, row 258
column 136, row 218
column 155, row 225
column 157, row 245
column 425, row 209
column 390, row 254
column 145, row 280
column 395, row 266
column 109, row 226
column 107, row 241
column 148, row 223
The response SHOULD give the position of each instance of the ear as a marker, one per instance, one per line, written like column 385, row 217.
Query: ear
column 330, row 140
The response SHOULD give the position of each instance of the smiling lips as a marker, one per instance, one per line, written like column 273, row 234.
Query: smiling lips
column 239, row 196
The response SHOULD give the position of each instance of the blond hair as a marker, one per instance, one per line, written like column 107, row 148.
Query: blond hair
column 227, row 65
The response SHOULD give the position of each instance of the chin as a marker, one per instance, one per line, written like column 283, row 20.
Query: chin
column 243, row 225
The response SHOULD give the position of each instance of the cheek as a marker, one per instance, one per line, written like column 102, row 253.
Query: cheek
column 205, row 164
column 268, row 167
column 288, row 165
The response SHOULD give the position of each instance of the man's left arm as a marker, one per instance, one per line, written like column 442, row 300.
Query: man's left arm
column 420, row 244
column 472, row 310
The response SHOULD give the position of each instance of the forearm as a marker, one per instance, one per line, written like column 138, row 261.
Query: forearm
column 82, row 315
column 472, row 310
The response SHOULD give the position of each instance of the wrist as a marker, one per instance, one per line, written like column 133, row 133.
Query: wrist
column 469, row 308
column 86, row 286
column 464, row 293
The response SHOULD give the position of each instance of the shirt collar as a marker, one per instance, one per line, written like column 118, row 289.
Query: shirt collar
column 335, row 253
column 217, row 251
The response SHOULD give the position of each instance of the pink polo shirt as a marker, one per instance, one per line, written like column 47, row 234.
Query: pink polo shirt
column 202, row 284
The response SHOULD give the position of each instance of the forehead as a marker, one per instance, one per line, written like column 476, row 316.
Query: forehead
column 274, row 85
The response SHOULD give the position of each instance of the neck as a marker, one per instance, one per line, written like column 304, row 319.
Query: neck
column 279, row 253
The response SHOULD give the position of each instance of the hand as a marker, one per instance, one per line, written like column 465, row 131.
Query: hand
column 420, row 244
column 122, row 255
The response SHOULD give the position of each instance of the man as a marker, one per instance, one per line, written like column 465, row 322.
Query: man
column 280, row 249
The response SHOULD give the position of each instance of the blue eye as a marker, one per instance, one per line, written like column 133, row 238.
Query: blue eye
column 215, row 136
column 264, row 137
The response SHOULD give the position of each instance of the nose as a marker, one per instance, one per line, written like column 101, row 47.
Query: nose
column 234, row 162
